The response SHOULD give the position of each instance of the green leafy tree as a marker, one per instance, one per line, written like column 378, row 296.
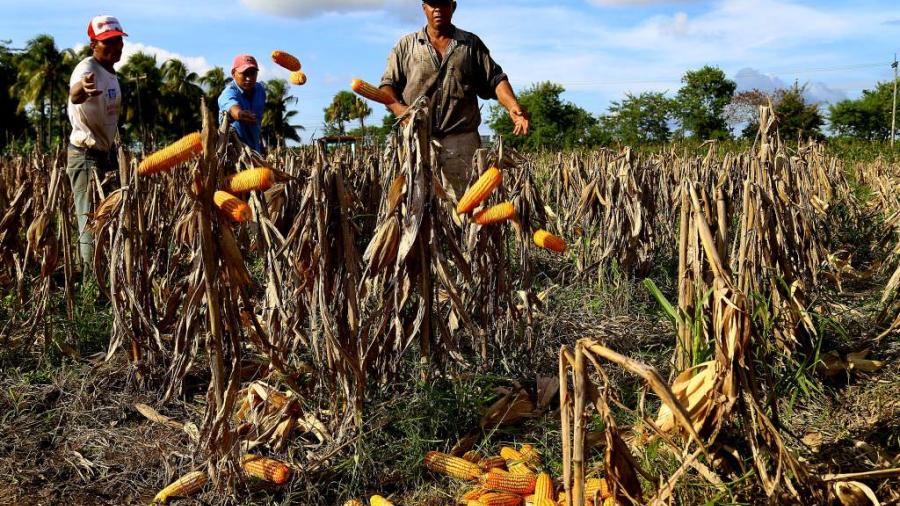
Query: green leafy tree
column 639, row 119
column 555, row 123
column 15, row 123
column 42, row 83
column 141, row 81
column 797, row 118
column 376, row 134
column 276, row 120
column 181, row 98
column 868, row 117
column 339, row 112
column 214, row 82
column 701, row 102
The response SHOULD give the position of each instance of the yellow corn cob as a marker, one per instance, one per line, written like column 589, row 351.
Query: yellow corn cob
column 298, row 78
column 233, row 207
column 501, row 481
column 377, row 500
column 480, row 190
column 174, row 154
column 610, row 501
column 543, row 501
column 266, row 469
column 258, row 179
column 182, row 487
column 493, row 462
column 366, row 90
column 452, row 466
column 515, row 462
column 495, row 214
column 500, row 499
column 596, row 486
column 528, row 500
column 509, row 453
column 474, row 502
column 549, row 241
column 530, row 455
column 543, row 487
column 353, row 502
column 472, row 456
column 473, row 494
column 286, row 60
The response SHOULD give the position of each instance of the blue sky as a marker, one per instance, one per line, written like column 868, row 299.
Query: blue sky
column 597, row 49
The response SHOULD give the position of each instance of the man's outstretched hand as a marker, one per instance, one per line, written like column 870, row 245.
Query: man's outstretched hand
column 520, row 119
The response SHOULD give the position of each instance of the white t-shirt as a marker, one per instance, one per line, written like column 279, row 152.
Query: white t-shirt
column 94, row 120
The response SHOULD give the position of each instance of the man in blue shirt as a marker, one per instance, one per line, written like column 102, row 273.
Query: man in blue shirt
column 244, row 99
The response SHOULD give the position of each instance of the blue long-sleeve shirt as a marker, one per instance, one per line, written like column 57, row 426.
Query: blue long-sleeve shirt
column 253, row 101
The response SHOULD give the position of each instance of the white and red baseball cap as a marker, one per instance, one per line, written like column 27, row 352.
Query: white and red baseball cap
column 105, row 27
column 243, row 62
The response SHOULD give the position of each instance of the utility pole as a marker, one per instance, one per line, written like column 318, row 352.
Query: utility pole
column 894, row 112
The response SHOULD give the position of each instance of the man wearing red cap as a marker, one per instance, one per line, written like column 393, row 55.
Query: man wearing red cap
column 453, row 68
column 243, row 100
column 94, row 100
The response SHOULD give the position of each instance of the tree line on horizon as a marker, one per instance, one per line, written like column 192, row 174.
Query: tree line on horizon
column 160, row 105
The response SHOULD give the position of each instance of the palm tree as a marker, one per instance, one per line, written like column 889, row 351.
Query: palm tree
column 142, row 82
column 276, row 121
column 181, row 96
column 214, row 81
column 42, row 80
column 339, row 112
column 360, row 111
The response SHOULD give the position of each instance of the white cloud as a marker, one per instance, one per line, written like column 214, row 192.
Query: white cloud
column 816, row 91
column 309, row 8
column 197, row 64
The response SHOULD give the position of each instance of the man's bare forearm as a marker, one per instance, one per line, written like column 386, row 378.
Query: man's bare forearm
column 398, row 108
column 506, row 96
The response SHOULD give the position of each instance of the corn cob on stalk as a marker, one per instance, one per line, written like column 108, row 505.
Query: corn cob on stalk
column 499, row 499
column 174, row 154
column 233, row 207
column 501, row 481
column 452, row 466
column 480, row 190
column 298, row 78
column 366, row 90
column 256, row 179
column 188, row 484
column 266, row 469
column 286, row 60
column 492, row 462
column 377, row 500
column 549, row 241
column 543, row 487
column 495, row 214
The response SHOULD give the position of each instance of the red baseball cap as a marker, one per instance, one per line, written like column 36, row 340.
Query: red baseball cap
column 243, row 62
column 105, row 27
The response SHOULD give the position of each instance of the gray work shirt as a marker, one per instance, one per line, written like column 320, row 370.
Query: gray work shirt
column 470, row 73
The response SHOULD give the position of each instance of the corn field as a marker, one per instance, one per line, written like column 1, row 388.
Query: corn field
column 294, row 286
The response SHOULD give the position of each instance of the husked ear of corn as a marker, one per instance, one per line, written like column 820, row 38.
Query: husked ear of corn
column 286, row 60
column 515, row 462
column 266, row 469
column 174, row 154
column 501, row 481
column 233, row 207
column 298, row 78
column 353, row 502
column 188, row 484
column 531, row 455
column 370, row 92
column 596, row 487
column 472, row 494
column 495, row 214
column 472, row 456
column 500, row 499
column 549, row 241
column 509, row 453
column 452, row 466
column 543, row 501
column 256, row 179
column 377, row 500
column 543, row 487
column 480, row 190
column 493, row 462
